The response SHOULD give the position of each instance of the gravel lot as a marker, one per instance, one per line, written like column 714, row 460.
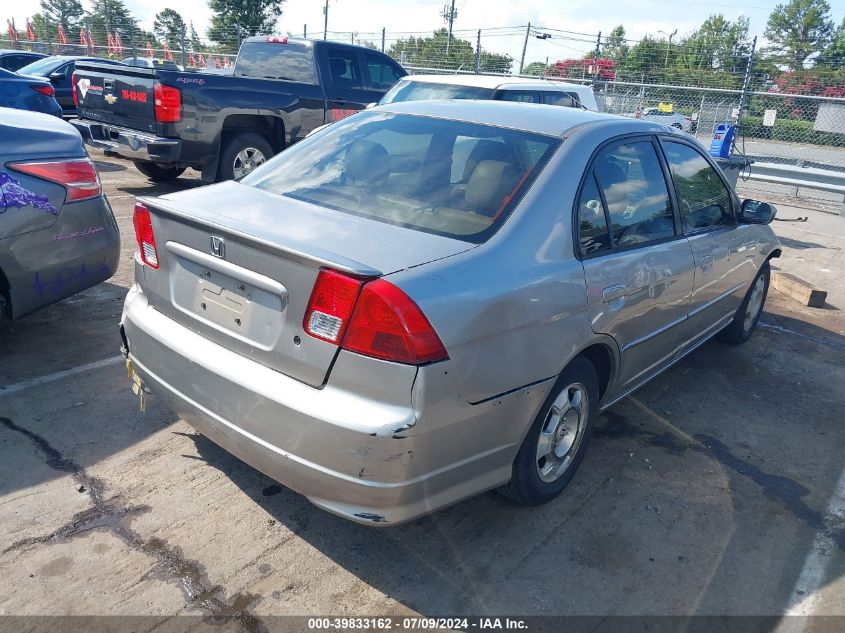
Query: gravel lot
column 718, row 489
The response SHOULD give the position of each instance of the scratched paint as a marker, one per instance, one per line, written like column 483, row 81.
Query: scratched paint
column 83, row 233
column 69, row 277
column 17, row 196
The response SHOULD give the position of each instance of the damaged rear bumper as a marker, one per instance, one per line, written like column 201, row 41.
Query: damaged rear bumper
column 354, row 447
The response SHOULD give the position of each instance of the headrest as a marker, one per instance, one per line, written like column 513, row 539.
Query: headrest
column 485, row 150
column 490, row 182
column 367, row 162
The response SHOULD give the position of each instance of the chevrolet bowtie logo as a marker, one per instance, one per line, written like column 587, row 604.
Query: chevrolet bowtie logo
column 110, row 98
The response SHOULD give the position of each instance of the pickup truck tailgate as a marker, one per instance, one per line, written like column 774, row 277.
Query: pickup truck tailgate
column 119, row 95
column 237, row 265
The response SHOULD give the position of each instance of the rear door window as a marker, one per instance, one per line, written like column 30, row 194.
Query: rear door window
column 343, row 69
column 381, row 74
column 560, row 98
column 271, row 60
column 593, row 234
column 634, row 190
column 522, row 96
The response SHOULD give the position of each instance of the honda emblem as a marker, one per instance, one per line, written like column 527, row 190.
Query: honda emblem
column 218, row 246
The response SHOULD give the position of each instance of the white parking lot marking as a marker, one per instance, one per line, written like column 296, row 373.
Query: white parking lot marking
column 59, row 375
column 805, row 595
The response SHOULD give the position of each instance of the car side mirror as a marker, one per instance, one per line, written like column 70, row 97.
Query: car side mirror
column 56, row 77
column 756, row 212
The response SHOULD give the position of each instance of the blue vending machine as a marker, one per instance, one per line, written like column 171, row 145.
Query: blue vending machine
column 723, row 138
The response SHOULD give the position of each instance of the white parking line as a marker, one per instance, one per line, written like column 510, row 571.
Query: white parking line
column 59, row 375
column 805, row 595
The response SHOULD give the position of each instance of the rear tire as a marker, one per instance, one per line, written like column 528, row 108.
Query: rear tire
column 557, row 441
column 745, row 320
column 158, row 173
column 242, row 154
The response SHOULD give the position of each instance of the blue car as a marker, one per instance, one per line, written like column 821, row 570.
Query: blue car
column 28, row 93
column 12, row 59
column 58, row 235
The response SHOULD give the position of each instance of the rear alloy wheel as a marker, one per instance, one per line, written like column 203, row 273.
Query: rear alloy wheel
column 745, row 320
column 243, row 154
column 558, row 439
column 158, row 173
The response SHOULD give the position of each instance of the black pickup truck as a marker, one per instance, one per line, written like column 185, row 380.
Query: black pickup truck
column 225, row 125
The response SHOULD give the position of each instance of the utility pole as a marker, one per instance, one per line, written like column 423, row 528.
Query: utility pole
column 668, row 45
column 478, row 54
column 450, row 18
column 304, row 31
column 746, row 81
column 596, row 57
column 382, row 38
column 326, row 19
column 524, row 47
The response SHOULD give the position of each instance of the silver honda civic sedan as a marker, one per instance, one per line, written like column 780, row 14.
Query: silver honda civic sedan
column 430, row 299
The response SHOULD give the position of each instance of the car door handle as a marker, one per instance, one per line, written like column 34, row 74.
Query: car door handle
column 612, row 293
column 706, row 263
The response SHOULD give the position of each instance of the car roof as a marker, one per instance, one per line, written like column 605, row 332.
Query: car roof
column 530, row 117
column 496, row 82
column 12, row 51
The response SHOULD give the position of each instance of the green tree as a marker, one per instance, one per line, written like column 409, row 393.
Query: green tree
column 430, row 52
column 798, row 30
column 616, row 47
column 536, row 69
column 110, row 16
column 196, row 45
column 68, row 13
column 717, row 44
column 234, row 20
column 833, row 56
column 169, row 27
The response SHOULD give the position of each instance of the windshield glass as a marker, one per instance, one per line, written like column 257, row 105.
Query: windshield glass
column 409, row 90
column 446, row 177
column 42, row 67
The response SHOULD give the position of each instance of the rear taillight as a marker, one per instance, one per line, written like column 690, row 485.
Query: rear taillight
column 144, row 235
column 373, row 318
column 45, row 89
column 387, row 324
column 331, row 304
column 73, row 90
column 168, row 103
column 78, row 176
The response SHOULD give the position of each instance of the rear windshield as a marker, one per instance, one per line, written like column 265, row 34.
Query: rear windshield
column 445, row 177
column 274, row 60
column 425, row 91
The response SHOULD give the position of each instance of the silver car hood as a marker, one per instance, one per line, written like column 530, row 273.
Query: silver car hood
column 309, row 228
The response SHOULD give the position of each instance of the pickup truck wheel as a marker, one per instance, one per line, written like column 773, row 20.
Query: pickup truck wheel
column 158, row 173
column 242, row 154
column 558, row 438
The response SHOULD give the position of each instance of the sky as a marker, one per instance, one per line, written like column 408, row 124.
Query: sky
column 368, row 17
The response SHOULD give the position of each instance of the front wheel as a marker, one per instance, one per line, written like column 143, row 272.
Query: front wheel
column 242, row 154
column 158, row 173
column 745, row 320
column 558, row 438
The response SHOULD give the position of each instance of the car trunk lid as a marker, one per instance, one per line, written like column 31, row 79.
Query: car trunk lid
column 242, row 275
